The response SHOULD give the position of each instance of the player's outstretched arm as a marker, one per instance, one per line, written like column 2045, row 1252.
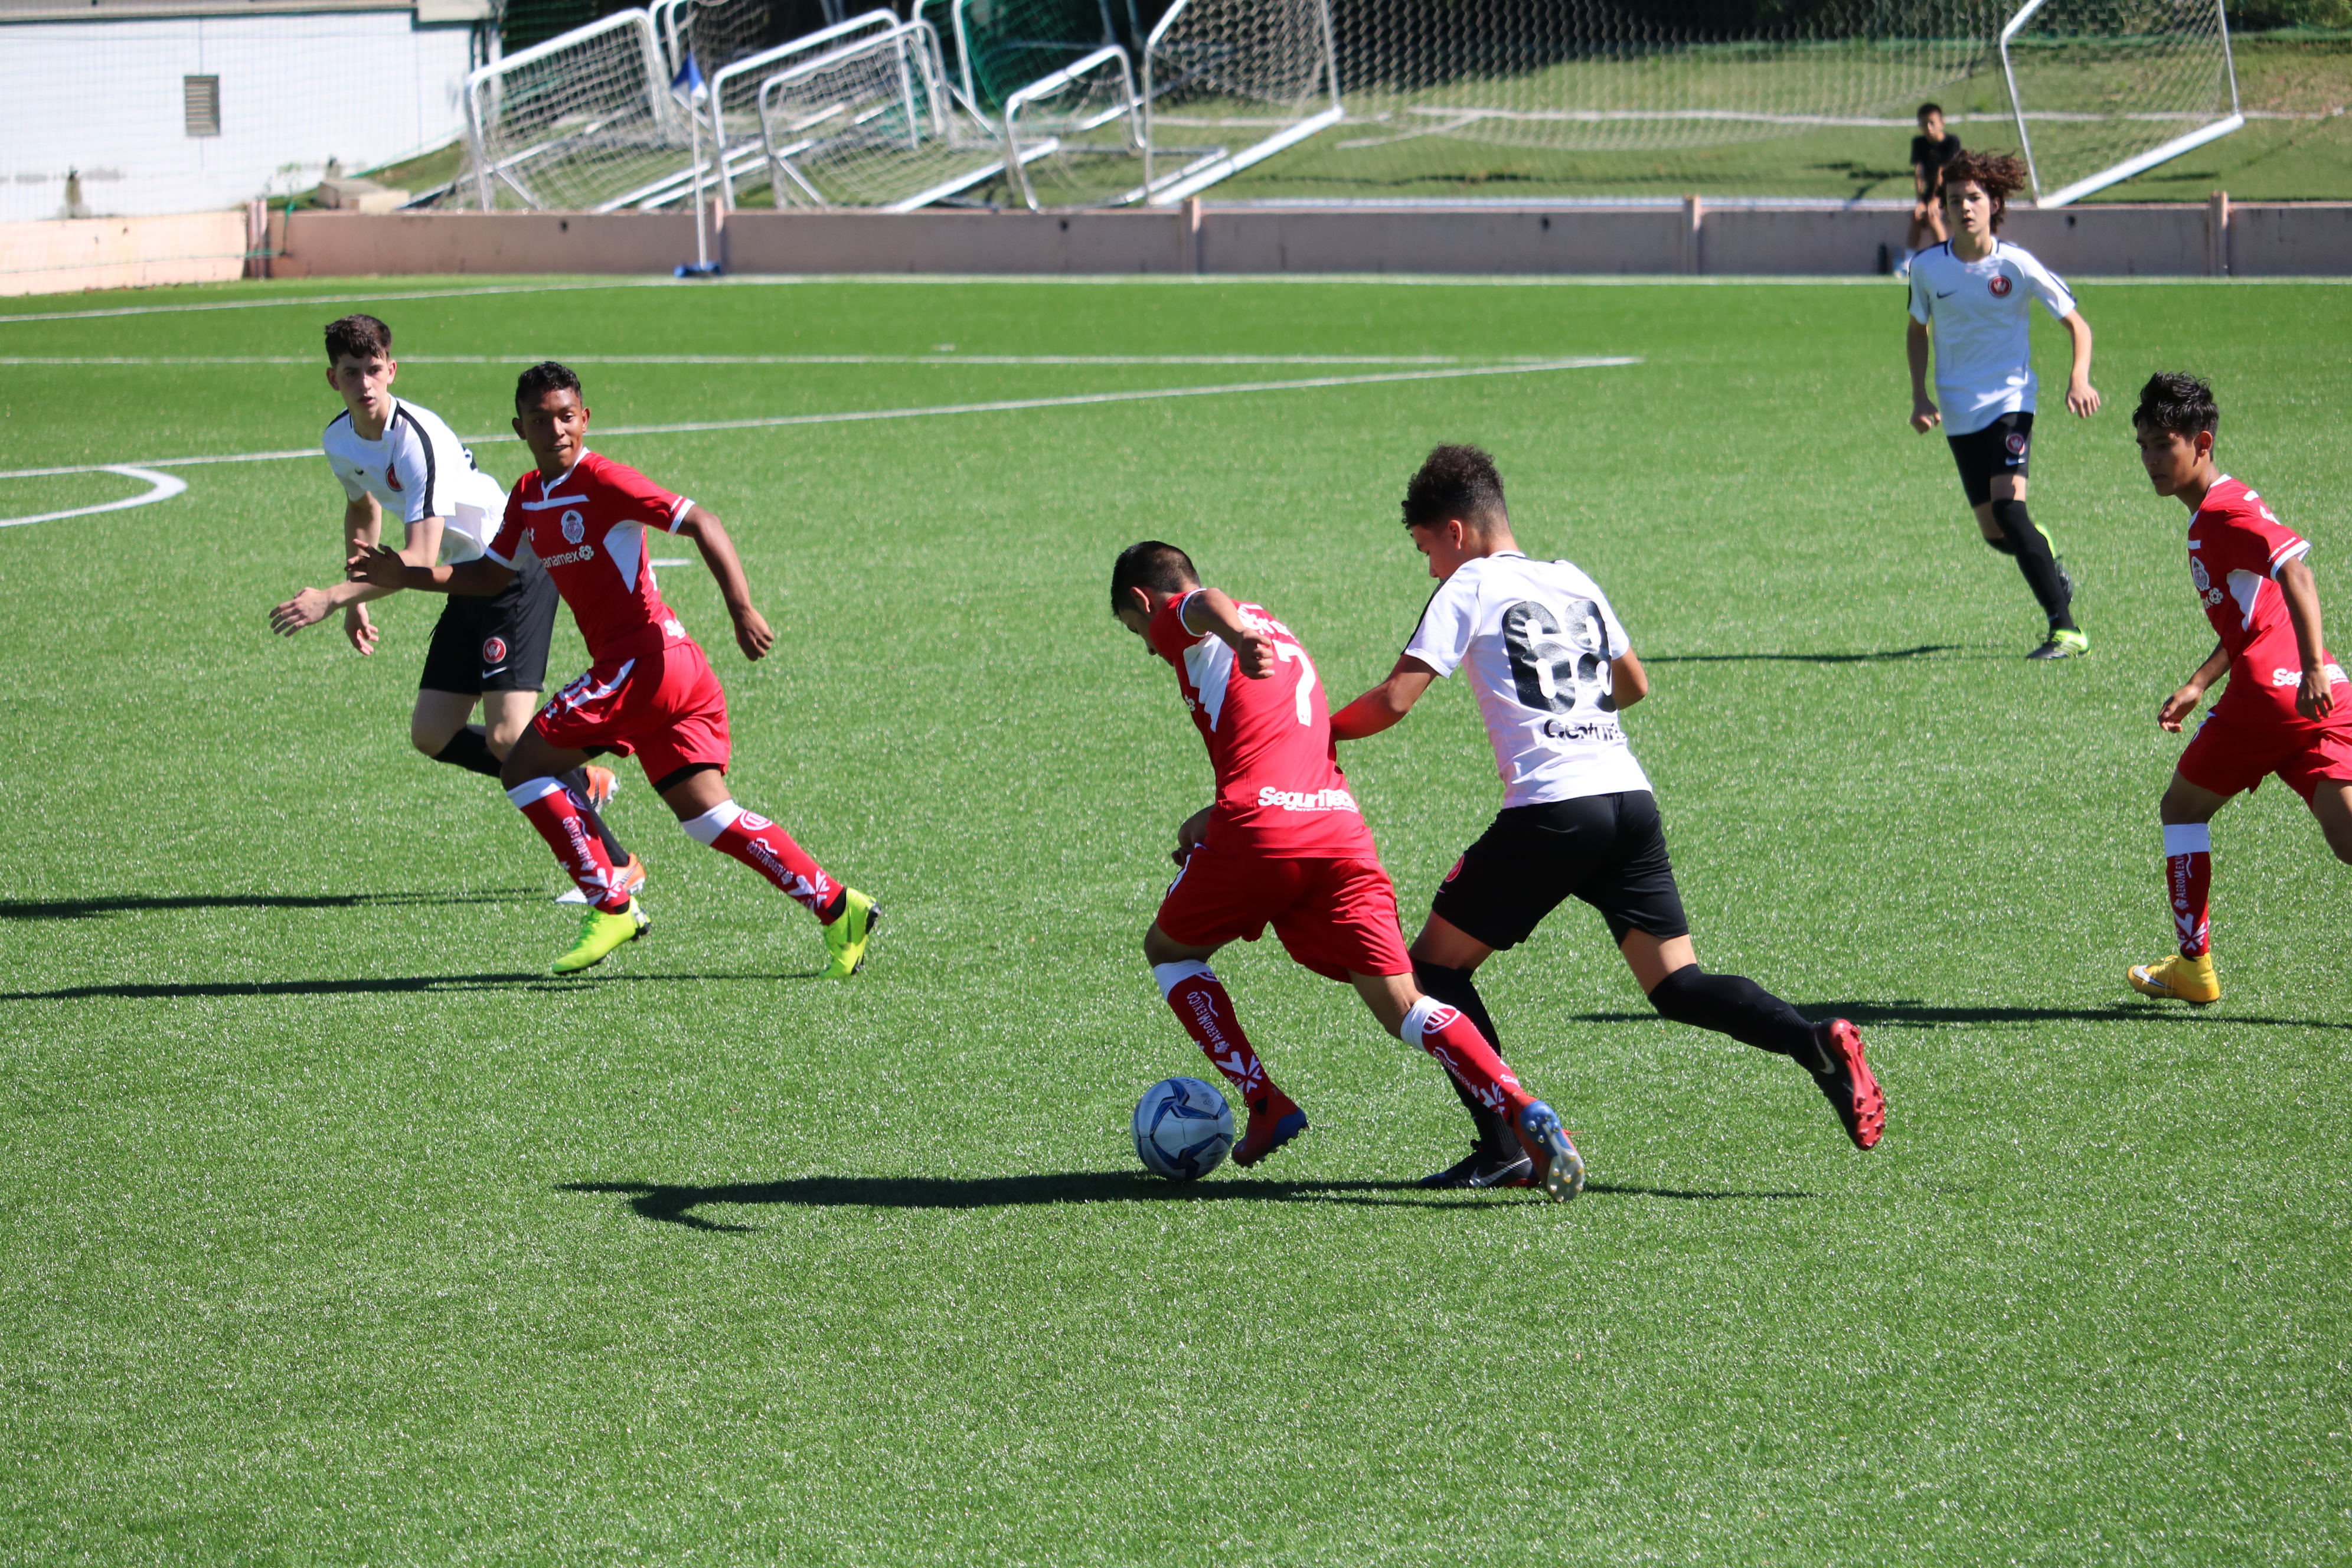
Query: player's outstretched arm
column 390, row 569
column 2315, row 699
column 1385, row 704
column 1925, row 415
column 2082, row 397
column 1211, row 611
column 362, row 520
column 2183, row 702
column 710, row 536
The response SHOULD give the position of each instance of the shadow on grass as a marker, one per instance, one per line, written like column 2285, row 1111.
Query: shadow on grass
column 89, row 908
column 1922, row 651
column 676, row 1204
column 1921, row 1015
column 396, row 984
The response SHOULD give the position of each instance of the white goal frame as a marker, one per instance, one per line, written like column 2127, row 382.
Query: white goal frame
column 1195, row 177
column 2138, row 163
column 481, row 96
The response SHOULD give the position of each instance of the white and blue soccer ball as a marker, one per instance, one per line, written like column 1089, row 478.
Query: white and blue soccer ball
column 1182, row 1129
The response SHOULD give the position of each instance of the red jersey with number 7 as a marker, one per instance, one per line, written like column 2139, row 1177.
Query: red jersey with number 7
column 587, row 526
column 1280, row 793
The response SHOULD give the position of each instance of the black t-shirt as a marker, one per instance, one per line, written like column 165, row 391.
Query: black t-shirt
column 1932, row 155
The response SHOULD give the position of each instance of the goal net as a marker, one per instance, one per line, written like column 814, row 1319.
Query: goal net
column 583, row 122
column 1074, row 138
column 872, row 123
column 996, row 48
column 1251, row 76
column 2105, row 89
column 1446, row 89
column 731, row 107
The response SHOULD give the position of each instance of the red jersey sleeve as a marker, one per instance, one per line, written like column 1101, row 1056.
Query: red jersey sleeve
column 641, row 494
column 509, row 544
column 1166, row 634
column 2242, row 534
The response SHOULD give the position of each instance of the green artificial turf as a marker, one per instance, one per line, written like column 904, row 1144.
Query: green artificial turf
column 335, row 1231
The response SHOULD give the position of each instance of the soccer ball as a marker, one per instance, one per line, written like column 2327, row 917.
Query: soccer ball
column 1182, row 1129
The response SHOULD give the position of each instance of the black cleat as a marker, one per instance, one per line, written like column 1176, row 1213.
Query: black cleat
column 1486, row 1167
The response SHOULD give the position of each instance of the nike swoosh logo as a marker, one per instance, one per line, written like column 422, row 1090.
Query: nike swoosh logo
column 496, row 670
column 1948, row 294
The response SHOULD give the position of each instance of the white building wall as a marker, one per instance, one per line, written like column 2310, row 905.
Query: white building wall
column 106, row 98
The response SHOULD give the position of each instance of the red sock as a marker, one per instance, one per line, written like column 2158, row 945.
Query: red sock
column 2189, row 880
column 577, row 848
column 1201, row 1004
column 770, row 850
column 1450, row 1037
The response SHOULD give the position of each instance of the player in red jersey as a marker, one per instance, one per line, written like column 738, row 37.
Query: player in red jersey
column 2280, row 714
column 649, row 690
column 1283, row 845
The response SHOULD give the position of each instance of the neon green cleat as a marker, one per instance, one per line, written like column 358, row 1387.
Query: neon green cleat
column 847, row 937
column 2065, row 642
column 600, row 933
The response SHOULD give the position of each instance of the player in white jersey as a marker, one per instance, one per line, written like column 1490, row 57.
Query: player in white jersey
column 393, row 455
column 1553, row 668
column 1975, row 294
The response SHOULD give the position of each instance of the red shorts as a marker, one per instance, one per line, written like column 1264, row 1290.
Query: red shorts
column 2232, row 751
column 1333, row 916
column 666, row 707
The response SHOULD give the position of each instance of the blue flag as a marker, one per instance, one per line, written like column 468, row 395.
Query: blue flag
column 689, row 79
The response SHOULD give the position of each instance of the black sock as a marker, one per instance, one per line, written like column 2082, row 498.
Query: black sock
column 1736, row 1005
column 1454, row 988
column 2035, row 562
column 576, row 781
column 2000, row 546
column 468, row 749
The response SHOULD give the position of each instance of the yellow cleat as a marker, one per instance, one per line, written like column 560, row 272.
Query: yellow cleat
column 600, row 933
column 2179, row 979
column 847, row 937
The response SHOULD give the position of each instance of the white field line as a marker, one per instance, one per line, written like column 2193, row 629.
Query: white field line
column 948, row 359
column 1006, row 405
column 162, row 487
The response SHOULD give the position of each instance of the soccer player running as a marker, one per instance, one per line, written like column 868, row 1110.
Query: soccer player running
column 1553, row 668
column 1931, row 150
column 1975, row 291
column 389, row 453
column 649, row 689
column 2280, row 713
column 1283, row 845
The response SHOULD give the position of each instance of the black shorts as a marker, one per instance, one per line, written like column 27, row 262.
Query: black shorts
column 1608, row 849
column 2002, row 447
column 497, row 644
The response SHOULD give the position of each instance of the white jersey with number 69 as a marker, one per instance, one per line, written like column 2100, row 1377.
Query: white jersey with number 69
column 1536, row 637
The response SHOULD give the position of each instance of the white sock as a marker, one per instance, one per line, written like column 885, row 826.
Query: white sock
column 1172, row 975
column 706, row 829
column 2188, row 838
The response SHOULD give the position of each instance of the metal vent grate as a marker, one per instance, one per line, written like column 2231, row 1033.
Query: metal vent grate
column 201, row 95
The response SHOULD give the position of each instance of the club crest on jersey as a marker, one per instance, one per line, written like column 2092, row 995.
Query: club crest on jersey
column 575, row 527
column 392, row 476
column 2016, row 443
column 494, row 650
column 2198, row 574
column 2000, row 285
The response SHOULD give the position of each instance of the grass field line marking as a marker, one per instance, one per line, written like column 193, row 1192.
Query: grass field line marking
column 162, row 487
column 949, row 359
column 1005, row 405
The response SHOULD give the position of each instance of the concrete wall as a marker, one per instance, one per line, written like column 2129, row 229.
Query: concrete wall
column 2098, row 241
column 106, row 98
column 121, row 253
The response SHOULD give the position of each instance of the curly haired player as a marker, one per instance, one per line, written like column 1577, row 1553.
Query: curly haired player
column 649, row 692
column 1974, row 292
column 2279, row 714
